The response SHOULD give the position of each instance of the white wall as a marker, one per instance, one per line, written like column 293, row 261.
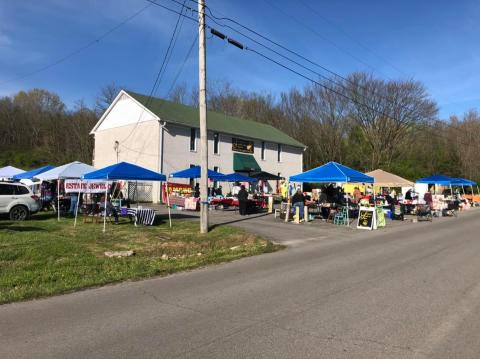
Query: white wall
column 138, row 132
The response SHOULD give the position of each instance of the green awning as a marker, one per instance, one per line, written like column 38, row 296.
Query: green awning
column 245, row 163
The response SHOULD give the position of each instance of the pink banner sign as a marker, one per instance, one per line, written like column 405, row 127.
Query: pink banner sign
column 72, row 185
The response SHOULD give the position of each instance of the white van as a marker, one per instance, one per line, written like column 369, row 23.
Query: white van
column 18, row 201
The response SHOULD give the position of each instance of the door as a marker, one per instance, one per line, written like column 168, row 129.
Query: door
column 7, row 195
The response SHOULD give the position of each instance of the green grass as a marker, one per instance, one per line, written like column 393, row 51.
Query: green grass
column 43, row 257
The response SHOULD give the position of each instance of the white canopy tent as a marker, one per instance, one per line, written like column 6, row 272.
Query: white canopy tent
column 8, row 172
column 73, row 170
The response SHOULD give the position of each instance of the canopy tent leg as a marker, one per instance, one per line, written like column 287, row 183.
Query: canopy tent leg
column 105, row 214
column 168, row 204
column 76, row 210
column 348, row 215
column 58, row 199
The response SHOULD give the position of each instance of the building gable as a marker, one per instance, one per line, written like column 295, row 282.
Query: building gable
column 123, row 111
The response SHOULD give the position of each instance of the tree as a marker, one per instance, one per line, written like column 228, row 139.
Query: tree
column 386, row 112
column 105, row 97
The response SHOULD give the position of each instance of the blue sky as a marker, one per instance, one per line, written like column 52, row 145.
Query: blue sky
column 435, row 42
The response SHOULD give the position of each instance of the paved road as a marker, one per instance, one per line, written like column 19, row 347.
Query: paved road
column 410, row 292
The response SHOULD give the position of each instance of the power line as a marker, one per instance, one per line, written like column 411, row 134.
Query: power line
column 187, row 57
column 158, row 77
column 175, row 11
column 214, row 18
column 334, row 91
column 79, row 50
column 348, row 35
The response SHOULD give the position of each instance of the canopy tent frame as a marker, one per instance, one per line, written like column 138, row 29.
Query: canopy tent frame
column 333, row 172
column 123, row 171
column 72, row 170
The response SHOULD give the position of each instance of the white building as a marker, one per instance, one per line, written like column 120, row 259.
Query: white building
column 164, row 136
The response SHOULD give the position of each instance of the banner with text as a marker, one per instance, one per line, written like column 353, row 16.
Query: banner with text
column 74, row 185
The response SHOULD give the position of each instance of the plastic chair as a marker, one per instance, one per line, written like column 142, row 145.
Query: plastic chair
column 341, row 218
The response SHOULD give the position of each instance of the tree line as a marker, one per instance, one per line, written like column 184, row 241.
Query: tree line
column 360, row 120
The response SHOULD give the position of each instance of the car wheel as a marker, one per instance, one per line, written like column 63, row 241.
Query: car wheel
column 19, row 213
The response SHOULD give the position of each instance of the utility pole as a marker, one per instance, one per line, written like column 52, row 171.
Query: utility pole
column 202, row 98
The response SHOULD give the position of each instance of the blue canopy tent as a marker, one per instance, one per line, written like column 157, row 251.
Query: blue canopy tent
column 194, row 172
column 237, row 177
column 31, row 174
column 332, row 172
column 464, row 182
column 437, row 179
column 122, row 171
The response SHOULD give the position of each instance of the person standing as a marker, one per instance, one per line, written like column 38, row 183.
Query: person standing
column 298, row 200
column 357, row 195
column 428, row 198
column 242, row 200
column 196, row 190
column 73, row 203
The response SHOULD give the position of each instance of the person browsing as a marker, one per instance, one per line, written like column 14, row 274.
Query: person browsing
column 298, row 200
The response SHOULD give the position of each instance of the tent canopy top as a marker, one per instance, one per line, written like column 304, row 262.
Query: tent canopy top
column 265, row 176
column 124, row 171
column 437, row 179
column 332, row 172
column 237, row 177
column 70, row 170
column 194, row 172
column 463, row 182
column 10, row 171
column 385, row 179
column 33, row 173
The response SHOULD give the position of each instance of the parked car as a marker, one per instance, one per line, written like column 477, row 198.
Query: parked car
column 18, row 201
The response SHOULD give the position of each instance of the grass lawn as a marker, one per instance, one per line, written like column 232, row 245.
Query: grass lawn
column 42, row 257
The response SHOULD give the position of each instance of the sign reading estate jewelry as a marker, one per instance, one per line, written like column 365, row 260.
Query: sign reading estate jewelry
column 240, row 145
column 73, row 185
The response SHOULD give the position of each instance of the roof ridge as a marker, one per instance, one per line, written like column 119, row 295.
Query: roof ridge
column 190, row 106
column 240, row 121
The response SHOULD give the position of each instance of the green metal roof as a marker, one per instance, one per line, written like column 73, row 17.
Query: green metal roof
column 188, row 116
column 245, row 163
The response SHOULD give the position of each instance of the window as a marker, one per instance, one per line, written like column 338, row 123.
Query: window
column 21, row 190
column 6, row 190
column 279, row 152
column 193, row 139
column 216, row 142
column 263, row 151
